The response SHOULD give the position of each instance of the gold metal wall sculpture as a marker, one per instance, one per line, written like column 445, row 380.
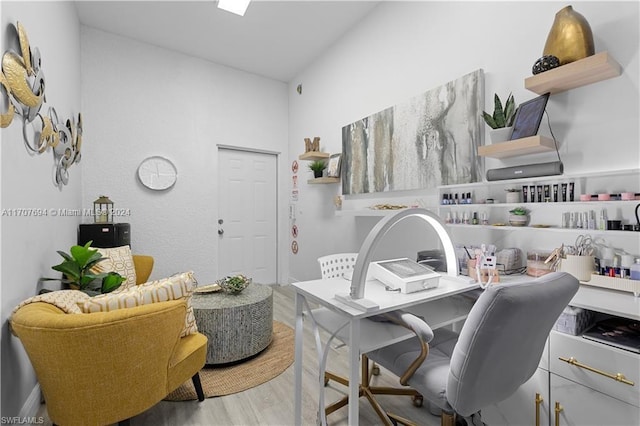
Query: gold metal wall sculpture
column 570, row 37
column 23, row 83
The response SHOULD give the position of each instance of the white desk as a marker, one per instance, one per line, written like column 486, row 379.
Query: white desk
column 439, row 307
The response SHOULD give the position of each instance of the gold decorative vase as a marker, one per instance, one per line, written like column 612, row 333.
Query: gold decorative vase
column 570, row 37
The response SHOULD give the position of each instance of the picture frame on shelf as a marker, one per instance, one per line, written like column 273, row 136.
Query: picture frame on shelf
column 333, row 169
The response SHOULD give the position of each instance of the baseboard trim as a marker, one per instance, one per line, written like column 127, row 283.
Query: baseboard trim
column 32, row 404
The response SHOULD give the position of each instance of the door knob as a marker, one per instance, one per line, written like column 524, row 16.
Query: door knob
column 220, row 221
column 220, row 231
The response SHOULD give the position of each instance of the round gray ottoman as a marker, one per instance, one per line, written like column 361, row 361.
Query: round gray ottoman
column 237, row 325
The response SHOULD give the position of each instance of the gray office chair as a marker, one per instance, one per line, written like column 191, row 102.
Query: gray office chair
column 498, row 349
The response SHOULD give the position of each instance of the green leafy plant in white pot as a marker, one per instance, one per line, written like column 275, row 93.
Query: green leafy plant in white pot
column 501, row 121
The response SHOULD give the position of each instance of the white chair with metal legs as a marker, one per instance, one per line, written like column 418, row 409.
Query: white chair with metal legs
column 497, row 350
column 337, row 265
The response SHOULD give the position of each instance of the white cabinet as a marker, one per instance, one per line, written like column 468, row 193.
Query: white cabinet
column 529, row 403
column 601, row 386
column 612, row 371
column 582, row 406
column 570, row 395
column 598, row 386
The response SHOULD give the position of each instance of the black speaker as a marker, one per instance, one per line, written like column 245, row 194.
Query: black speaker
column 526, row 171
column 105, row 235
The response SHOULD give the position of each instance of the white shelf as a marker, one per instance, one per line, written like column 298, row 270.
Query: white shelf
column 611, row 302
column 564, row 177
column 549, row 229
column 367, row 212
column 532, row 206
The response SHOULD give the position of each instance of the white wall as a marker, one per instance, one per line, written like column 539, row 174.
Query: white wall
column 140, row 100
column 29, row 244
column 405, row 48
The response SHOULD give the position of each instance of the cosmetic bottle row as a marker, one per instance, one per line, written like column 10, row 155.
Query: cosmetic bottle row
column 588, row 220
column 466, row 218
column 453, row 199
column 558, row 192
column 611, row 268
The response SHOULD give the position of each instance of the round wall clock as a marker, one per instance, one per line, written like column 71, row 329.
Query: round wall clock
column 157, row 173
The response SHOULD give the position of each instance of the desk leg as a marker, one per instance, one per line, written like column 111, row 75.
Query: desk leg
column 354, row 371
column 298, row 361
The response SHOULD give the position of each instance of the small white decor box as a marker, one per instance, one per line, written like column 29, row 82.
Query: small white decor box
column 404, row 274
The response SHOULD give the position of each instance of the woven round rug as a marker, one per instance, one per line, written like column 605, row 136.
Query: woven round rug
column 228, row 379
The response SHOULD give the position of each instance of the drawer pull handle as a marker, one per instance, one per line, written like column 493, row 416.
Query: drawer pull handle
column 619, row 377
column 539, row 401
column 558, row 410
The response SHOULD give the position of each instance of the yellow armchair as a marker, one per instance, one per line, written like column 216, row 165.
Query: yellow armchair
column 143, row 265
column 103, row 368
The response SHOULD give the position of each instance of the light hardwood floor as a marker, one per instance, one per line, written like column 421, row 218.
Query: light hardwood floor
column 272, row 403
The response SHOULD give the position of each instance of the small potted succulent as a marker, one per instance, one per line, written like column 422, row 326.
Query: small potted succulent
column 501, row 121
column 518, row 216
column 317, row 167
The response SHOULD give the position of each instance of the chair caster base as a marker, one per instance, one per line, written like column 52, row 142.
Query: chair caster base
column 417, row 400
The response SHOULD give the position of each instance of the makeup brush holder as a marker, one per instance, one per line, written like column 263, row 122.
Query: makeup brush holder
column 580, row 267
column 484, row 273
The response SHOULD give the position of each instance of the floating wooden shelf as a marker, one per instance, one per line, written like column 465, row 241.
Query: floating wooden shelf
column 591, row 69
column 324, row 180
column 524, row 146
column 314, row 155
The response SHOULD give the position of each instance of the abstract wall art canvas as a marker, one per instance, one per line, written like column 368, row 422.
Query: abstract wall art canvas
column 428, row 141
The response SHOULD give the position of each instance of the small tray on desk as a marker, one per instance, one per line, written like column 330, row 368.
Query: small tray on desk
column 621, row 284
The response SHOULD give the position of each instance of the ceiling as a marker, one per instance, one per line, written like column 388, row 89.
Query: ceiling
column 275, row 39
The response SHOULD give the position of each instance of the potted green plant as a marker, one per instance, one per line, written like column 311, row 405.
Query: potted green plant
column 518, row 216
column 77, row 270
column 317, row 167
column 501, row 121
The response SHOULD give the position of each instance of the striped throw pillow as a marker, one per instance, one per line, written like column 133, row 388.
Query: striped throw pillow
column 179, row 286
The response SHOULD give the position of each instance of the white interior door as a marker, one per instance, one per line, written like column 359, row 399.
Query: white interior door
column 247, row 222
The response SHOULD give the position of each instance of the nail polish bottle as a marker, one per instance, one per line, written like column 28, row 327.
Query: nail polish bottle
column 571, row 190
column 532, row 193
column 539, row 188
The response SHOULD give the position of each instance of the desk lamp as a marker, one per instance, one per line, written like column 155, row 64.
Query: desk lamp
column 356, row 296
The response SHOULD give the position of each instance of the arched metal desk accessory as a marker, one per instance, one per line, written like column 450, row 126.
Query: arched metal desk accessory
column 356, row 296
